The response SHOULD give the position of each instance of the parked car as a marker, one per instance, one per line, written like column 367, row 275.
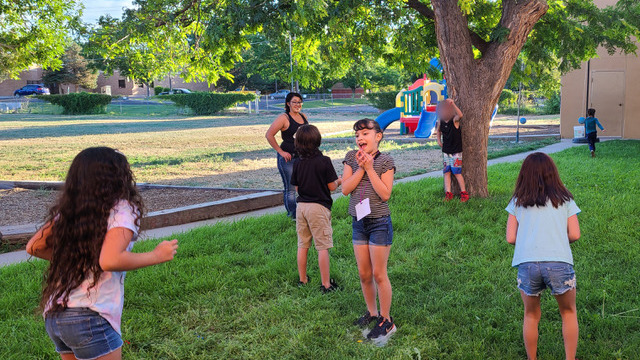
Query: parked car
column 176, row 91
column 31, row 89
column 282, row 94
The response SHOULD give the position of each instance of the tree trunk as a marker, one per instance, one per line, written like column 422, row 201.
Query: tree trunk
column 475, row 84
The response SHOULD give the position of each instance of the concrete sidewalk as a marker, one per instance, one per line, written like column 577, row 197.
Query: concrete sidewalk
column 20, row 256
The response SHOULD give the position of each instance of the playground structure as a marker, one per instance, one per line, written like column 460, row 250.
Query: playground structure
column 416, row 106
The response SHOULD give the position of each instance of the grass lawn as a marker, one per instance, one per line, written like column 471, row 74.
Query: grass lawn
column 231, row 291
column 226, row 150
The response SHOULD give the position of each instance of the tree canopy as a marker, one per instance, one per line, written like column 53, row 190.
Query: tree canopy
column 75, row 70
column 35, row 32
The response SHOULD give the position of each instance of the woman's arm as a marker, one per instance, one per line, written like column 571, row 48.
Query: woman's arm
column 115, row 257
column 37, row 245
column 512, row 229
column 573, row 228
column 277, row 125
column 350, row 179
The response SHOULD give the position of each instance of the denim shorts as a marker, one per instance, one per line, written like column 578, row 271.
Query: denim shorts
column 372, row 231
column 83, row 332
column 534, row 277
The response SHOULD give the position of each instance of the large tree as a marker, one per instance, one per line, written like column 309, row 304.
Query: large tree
column 477, row 41
column 35, row 32
column 75, row 70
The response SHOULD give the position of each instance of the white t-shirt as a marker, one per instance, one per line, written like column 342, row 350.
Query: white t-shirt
column 542, row 232
column 107, row 297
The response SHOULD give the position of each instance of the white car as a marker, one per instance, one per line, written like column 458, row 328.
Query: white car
column 282, row 94
column 176, row 91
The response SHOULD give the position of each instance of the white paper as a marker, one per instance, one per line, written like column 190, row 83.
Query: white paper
column 363, row 209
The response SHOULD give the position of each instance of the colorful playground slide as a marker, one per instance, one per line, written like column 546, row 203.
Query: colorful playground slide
column 388, row 117
column 426, row 123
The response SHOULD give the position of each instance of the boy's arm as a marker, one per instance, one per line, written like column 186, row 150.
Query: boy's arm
column 600, row 125
column 334, row 184
column 458, row 115
column 438, row 133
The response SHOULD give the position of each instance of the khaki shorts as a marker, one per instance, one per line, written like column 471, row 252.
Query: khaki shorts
column 314, row 220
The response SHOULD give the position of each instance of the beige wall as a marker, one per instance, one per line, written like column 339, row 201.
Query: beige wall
column 619, row 113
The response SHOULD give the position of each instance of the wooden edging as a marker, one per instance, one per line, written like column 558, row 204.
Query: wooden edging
column 57, row 185
column 176, row 216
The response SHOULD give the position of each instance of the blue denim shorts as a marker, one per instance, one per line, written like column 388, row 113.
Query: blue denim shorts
column 534, row 277
column 83, row 332
column 372, row 231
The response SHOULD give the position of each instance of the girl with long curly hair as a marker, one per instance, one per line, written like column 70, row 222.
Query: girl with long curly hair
column 87, row 238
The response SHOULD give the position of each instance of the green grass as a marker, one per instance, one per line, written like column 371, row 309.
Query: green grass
column 231, row 291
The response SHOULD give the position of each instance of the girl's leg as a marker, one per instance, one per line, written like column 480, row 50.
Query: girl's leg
column 115, row 355
column 379, row 258
column 323, row 265
column 366, row 277
column 567, row 307
column 302, row 263
column 460, row 182
column 68, row 357
column 530, row 324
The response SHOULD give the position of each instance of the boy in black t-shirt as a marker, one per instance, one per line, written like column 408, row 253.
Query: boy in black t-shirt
column 448, row 125
column 314, row 178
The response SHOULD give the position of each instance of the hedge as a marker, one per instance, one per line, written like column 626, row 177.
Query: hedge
column 207, row 103
column 81, row 103
column 158, row 89
column 383, row 100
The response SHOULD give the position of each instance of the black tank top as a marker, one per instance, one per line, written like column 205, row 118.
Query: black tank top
column 287, row 135
column 451, row 137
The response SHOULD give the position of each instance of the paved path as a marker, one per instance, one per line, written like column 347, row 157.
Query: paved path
column 19, row 256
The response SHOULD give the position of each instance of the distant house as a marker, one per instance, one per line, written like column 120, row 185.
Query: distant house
column 609, row 84
column 339, row 91
column 114, row 84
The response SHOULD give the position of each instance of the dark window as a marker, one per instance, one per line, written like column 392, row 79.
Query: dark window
column 122, row 84
column 153, row 84
column 29, row 82
column 141, row 85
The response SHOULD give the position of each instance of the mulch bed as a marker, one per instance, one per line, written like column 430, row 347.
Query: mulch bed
column 21, row 206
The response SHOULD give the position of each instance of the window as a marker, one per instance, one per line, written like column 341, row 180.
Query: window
column 29, row 82
column 141, row 85
column 122, row 84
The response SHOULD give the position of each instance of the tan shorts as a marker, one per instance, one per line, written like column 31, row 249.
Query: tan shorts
column 314, row 220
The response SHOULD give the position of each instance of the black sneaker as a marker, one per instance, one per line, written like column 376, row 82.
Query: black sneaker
column 333, row 286
column 383, row 330
column 300, row 283
column 365, row 319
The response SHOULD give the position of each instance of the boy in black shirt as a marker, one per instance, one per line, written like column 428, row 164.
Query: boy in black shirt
column 448, row 125
column 314, row 178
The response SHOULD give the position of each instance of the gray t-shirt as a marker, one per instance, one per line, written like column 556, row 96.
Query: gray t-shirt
column 381, row 164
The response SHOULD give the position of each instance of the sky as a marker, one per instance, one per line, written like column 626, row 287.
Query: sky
column 93, row 9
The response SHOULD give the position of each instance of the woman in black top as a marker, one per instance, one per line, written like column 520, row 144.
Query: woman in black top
column 287, row 124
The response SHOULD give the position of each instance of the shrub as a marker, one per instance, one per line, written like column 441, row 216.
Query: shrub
column 158, row 89
column 507, row 98
column 552, row 105
column 206, row 103
column 79, row 103
column 383, row 100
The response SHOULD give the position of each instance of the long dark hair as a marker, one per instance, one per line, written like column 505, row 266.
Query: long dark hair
column 98, row 178
column 539, row 182
column 307, row 141
column 290, row 96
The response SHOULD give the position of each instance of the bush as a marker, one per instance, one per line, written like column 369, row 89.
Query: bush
column 552, row 105
column 206, row 103
column 79, row 103
column 383, row 100
column 507, row 98
column 158, row 89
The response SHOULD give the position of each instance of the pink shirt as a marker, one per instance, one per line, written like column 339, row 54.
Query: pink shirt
column 107, row 297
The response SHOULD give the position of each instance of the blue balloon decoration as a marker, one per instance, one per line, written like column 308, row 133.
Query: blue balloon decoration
column 581, row 120
column 523, row 120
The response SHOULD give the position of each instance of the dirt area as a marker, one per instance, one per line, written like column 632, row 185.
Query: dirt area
column 22, row 206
